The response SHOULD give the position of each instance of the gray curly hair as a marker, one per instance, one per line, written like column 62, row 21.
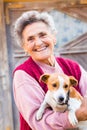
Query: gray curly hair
column 30, row 17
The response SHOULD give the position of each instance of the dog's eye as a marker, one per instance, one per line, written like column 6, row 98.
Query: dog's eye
column 65, row 86
column 54, row 85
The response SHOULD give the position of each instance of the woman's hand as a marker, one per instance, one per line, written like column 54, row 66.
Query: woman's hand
column 81, row 113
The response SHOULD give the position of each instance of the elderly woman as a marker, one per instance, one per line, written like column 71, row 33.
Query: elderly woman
column 36, row 33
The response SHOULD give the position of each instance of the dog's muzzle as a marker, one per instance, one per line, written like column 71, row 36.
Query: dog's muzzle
column 61, row 99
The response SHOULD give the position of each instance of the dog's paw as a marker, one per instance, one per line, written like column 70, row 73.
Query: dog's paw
column 38, row 115
column 72, row 118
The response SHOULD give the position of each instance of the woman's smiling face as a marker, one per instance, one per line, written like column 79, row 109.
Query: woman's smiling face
column 38, row 41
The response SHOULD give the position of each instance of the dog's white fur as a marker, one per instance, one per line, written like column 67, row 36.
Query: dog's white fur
column 56, row 96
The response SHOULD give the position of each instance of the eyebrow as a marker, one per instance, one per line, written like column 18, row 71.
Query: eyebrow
column 42, row 33
column 38, row 34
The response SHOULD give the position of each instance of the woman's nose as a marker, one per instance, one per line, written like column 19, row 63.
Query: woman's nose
column 38, row 41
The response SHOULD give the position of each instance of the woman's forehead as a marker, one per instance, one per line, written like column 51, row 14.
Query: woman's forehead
column 35, row 28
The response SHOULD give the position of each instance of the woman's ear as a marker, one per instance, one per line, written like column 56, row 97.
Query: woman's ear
column 54, row 38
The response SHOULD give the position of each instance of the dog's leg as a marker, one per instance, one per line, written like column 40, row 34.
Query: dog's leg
column 41, row 110
column 72, row 118
column 73, row 105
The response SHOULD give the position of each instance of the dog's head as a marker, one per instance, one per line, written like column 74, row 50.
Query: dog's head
column 59, row 86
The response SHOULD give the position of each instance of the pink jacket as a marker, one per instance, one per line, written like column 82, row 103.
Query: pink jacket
column 26, row 87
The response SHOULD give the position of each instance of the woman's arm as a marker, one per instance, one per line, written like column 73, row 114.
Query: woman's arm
column 81, row 113
column 28, row 96
column 83, row 81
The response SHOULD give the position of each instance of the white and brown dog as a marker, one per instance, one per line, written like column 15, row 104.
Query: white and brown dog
column 62, row 96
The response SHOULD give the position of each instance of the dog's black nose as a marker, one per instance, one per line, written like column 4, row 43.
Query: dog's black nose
column 61, row 99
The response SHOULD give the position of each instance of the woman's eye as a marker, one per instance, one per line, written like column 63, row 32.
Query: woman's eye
column 65, row 86
column 54, row 85
column 30, row 39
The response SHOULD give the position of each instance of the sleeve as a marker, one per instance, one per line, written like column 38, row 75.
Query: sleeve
column 83, row 81
column 28, row 96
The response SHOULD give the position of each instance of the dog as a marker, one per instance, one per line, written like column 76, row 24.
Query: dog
column 62, row 96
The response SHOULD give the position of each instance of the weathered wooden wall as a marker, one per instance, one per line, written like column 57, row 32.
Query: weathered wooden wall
column 6, row 119
column 76, row 50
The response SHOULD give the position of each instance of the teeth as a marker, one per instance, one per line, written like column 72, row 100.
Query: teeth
column 41, row 49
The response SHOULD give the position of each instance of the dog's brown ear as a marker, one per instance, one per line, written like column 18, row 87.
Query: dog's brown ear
column 44, row 78
column 73, row 81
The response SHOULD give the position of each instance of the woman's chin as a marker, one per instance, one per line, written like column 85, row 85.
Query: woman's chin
column 43, row 58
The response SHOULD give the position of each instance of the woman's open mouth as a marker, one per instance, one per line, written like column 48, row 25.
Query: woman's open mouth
column 41, row 49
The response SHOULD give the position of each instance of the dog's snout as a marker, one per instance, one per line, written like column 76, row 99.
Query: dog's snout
column 61, row 99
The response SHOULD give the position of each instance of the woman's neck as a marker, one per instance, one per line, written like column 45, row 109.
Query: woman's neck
column 50, row 61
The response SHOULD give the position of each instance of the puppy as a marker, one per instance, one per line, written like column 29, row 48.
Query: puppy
column 62, row 96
